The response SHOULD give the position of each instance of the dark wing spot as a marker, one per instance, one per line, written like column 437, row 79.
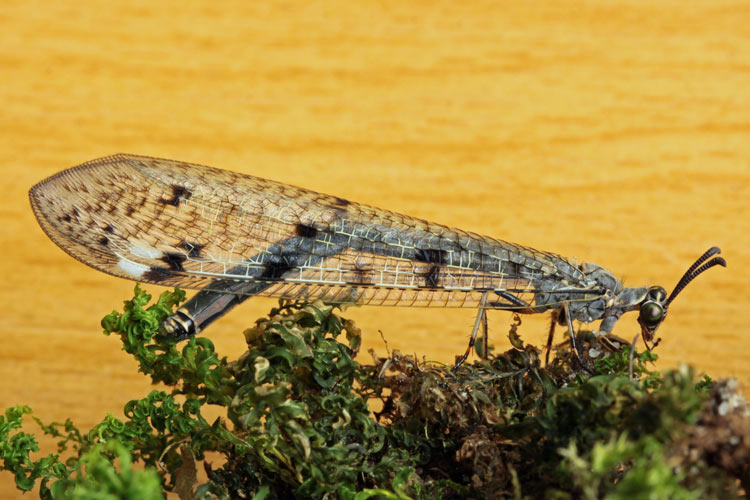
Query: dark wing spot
column 178, row 193
column 104, row 241
column 109, row 229
column 174, row 260
column 305, row 231
column 276, row 268
column 432, row 276
column 193, row 249
column 130, row 211
column 66, row 218
column 430, row 255
column 157, row 274
column 340, row 202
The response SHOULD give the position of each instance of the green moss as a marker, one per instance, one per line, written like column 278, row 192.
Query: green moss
column 297, row 422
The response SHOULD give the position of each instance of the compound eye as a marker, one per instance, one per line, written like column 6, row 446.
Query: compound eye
column 657, row 294
column 651, row 313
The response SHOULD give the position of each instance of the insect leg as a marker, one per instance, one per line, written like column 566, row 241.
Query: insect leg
column 550, row 338
column 481, row 317
column 486, row 343
column 566, row 310
column 483, row 348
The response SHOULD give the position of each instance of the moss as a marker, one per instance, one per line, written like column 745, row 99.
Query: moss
column 297, row 422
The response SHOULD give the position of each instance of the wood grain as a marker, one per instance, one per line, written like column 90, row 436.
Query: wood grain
column 617, row 133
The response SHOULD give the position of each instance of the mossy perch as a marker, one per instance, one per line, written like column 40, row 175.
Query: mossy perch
column 298, row 425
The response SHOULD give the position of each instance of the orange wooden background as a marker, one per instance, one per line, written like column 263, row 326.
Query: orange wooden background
column 617, row 133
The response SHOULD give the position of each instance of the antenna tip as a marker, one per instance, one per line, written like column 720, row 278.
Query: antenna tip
column 720, row 261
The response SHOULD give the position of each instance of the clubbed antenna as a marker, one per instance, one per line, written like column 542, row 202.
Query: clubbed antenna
column 695, row 270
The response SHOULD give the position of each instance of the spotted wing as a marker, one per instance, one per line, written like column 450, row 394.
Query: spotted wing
column 179, row 224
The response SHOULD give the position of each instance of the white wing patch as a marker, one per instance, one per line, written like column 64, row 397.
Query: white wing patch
column 133, row 269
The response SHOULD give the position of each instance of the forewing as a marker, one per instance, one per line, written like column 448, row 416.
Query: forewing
column 178, row 224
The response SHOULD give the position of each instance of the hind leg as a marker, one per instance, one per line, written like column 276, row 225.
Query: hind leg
column 481, row 319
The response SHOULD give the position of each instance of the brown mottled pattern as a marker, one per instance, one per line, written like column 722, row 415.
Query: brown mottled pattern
column 179, row 224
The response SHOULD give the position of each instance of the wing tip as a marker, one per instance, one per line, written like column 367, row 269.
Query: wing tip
column 36, row 190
